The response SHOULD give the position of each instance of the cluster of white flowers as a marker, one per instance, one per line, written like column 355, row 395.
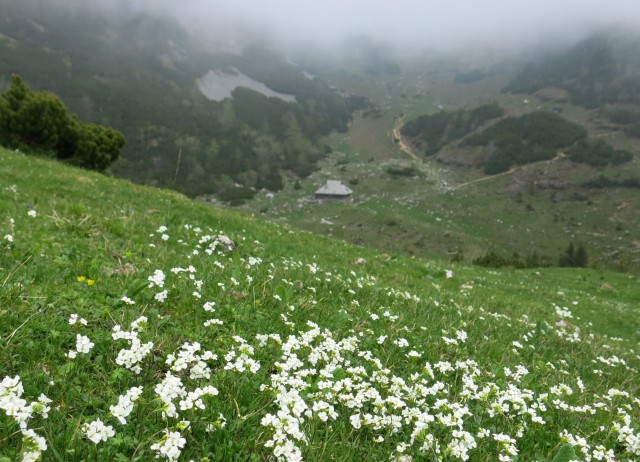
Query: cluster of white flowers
column 127, row 300
column 563, row 312
column 194, row 398
column 9, row 236
column 423, row 404
column 125, row 404
column 626, row 434
column 16, row 407
column 97, row 431
column 460, row 337
column 507, row 446
column 190, row 358
column 569, row 333
column 241, row 358
column 263, row 339
column 215, row 243
column 132, row 357
column 177, row 270
column 74, row 319
column 33, row 445
column 170, row 389
column 170, row 445
column 252, row 261
column 156, row 279
column 444, row 406
column 161, row 296
column 83, row 346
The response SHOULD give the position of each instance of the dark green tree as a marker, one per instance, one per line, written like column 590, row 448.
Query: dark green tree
column 581, row 260
column 566, row 260
column 574, row 257
column 38, row 122
column 93, row 146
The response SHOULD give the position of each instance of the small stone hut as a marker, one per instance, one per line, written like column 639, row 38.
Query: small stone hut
column 334, row 190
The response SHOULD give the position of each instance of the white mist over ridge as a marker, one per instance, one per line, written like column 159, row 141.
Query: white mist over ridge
column 429, row 24
column 407, row 23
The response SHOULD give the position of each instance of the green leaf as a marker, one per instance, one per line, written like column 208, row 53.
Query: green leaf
column 137, row 286
column 94, row 270
column 118, row 374
column 565, row 454
column 66, row 369
column 281, row 291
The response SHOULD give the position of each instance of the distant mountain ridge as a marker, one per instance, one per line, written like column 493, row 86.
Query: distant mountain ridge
column 138, row 72
column 601, row 69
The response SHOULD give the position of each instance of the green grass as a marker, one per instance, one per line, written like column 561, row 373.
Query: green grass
column 317, row 348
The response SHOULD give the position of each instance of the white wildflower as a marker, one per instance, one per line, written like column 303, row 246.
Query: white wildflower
column 127, row 300
column 97, row 431
column 169, row 446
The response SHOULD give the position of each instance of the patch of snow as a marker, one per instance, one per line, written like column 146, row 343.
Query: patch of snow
column 218, row 86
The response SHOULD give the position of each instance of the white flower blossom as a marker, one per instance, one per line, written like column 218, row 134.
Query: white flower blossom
column 157, row 279
column 97, row 431
column 170, row 446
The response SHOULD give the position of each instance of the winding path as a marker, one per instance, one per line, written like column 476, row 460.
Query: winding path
column 404, row 146
column 397, row 137
column 559, row 156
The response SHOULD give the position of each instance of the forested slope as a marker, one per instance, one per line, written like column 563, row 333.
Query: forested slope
column 138, row 72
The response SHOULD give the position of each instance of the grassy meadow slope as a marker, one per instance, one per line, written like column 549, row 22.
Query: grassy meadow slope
column 446, row 206
column 130, row 329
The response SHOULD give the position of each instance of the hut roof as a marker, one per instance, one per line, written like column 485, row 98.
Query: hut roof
column 334, row 188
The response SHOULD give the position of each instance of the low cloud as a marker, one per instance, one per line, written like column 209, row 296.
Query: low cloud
column 407, row 23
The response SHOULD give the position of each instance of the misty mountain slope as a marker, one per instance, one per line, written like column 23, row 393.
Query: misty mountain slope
column 602, row 69
column 138, row 72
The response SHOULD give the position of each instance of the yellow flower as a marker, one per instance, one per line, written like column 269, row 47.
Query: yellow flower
column 90, row 282
column 81, row 278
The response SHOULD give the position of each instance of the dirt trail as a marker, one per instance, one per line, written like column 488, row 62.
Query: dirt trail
column 486, row 178
column 397, row 137
column 559, row 156
column 431, row 172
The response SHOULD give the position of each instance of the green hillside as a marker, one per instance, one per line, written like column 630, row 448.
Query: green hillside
column 132, row 328
column 139, row 72
column 439, row 129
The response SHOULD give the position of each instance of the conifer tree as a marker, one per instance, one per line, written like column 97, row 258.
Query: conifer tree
column 574, row 258
column 38, row 122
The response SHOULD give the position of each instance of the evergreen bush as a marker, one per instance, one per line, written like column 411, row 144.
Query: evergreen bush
column 38, row 122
